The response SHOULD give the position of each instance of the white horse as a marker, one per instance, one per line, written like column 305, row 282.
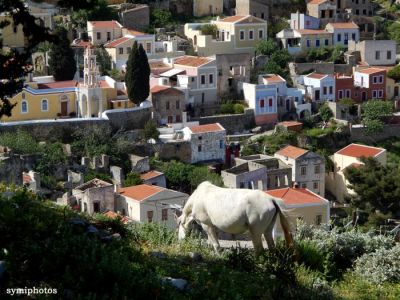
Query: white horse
column 234, row 211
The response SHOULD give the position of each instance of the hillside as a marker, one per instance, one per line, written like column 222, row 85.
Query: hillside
column 44, row 245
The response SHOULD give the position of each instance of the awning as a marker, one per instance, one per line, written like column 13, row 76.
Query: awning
column 172, row 72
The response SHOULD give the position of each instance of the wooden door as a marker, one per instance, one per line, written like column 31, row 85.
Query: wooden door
column 64, row 108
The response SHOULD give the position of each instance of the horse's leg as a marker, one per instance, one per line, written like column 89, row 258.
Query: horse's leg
column 268, row 233
column 257, row 241
column 212, row 236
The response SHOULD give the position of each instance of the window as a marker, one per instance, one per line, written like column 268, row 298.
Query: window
column 326, row 42
column 210, row 79
column 377, row 55
column 374, row 94
column 315, row 185
column 331, row 90
column 307, row 23
column 221, row 144
column 177, row 104
column 318, row 219
column 339, row 37
column 353, row 36
column 203, row 79
column 85, row 207
column 262, row 104
column 317, row 43
column 96, row 207
column 325, row 90
column 199, row 148
column 317, row 169
column 45, row 105
column 348, row 93
column 241, row 35
column 108, row 36
column 340, row 94
column 121, row 50
column 380, row 79
column 380, row 94
column 98, row 35
column 304, row 185
column 260, row 34
column 128, row 50
column 202, row 98
column 375, row 79
column 346, row 38
column 262, row 15
column 308, row 43
column 271, row 101
column 150, row 216
column 303, row 171
column 388, row 54
column 148, row 47
column 167, row 105
column 200, row 137
column 251, row 34
column 24, row 107
column 164, row 214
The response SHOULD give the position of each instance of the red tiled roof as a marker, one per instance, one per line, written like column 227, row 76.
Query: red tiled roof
column 114, row 215
column 135, row 33
column 117, row 42
column 292, row 151
column 140, row 192
column 370, row 71
column 317, row 1
column 58, row 84
column 290, row 123
column 297, row 196
column 273, row 78
column 191, row 61
column 207, row 128
column 316, row 75
column 232, row 19
column 344, row 25
column 150, row 174
column 356, row 150
column 105, row 24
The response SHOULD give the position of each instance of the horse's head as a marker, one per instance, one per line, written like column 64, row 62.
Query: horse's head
column 182, row 225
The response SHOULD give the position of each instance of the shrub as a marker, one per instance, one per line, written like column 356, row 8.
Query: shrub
column 380, row 266
column 394, row 73
column 209, row 29
column 238, row 108
column 133, row 178
column 20, row 142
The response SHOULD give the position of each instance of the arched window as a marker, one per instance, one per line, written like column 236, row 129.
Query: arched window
column 45, row 105
column 262, row 104
column 24, row 106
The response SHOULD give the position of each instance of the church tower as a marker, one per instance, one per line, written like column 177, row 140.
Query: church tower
column 91, row 70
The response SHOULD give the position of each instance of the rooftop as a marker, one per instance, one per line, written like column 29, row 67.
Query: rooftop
column 344, row 25
column 150, row 175
column 357, row 150
column 140, row 192
column 232, row 19
column 316, row 75
column 117, row 42
column 192, row 61
column 298, row 196
column 58, row 84
column 94, row 183
column 207, row 128
column 312, row 31
column 291, row 151
column 370, row 71
column 290, row 123
column 273, row 78
column 105, row 24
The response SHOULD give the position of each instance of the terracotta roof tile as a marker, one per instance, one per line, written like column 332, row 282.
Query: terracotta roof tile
column 150, row 175
column 273, row 78
column 356, row 150
column 292, row 151
column 162, row 88
column 344, row 25
column 370, row 71
column 105, row 24
column 316, row 75
column 317, row 1
column 192, row 61
column 58, row 84
column 117, row 42
column 140, row 192
column 297, row 196
column 207, row 128
column 233, row 19
column 290, row 123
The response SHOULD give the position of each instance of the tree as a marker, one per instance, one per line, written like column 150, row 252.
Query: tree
column 137, row 76
column 325, row 113
column 394, row 73
column 14, row 66
column 150, row 131
column 266, row 47
column 372, row 113
column 160, row 18
column 376, row 186
column 103, row 60
column 209, row 29
column 200, row 174
column 394, row 31
column 133, row 178
column 62, row 62
column 99, row 11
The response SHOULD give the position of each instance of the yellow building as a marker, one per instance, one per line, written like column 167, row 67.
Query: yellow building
column 235, row 35
column 12, row 36
column 207, row 7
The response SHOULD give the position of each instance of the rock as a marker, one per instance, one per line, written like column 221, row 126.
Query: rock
column 256, row 129
column 92, row 229
column 116, row 236
column 177, row 283
column 195, row 256
column 157, row 254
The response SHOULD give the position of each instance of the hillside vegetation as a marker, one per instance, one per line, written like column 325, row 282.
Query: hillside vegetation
column 45, row 245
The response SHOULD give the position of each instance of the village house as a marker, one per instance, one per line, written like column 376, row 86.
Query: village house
column 308, row 168
column 260, row 172
column 374, row 52
column 319, row 87
column 150, row 204
column 196, row 76
column 343, row 32
column 207, row 7
column 372, row 83
column 305, row 206
column 303, row 21
column 348, row 156
column 168, row 104
column 235, row 35
column 256, row 8
column 297, row 40
column 101, row 32
column 154, row 177
column 325, row 10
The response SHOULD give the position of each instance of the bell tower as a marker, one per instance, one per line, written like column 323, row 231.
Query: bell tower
column 90, row 70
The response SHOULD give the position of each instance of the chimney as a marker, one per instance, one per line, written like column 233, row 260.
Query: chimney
column 295, row 185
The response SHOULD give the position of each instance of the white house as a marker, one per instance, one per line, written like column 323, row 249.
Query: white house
column 308, row 168
column 101, row 32
column 150, row 203
column 350, row 155
column 320, row 87
column 344, row 32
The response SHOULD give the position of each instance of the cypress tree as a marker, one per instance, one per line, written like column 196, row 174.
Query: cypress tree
column 137, row 76
column 62, row 61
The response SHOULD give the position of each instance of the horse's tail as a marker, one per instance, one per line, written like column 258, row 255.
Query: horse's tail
column 284, row 218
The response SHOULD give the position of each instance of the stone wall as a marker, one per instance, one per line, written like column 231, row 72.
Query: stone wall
column 176, row 150
column 232, row 123
column 135, row 17
column 323, row 68
column 358, row 134
column 128, row 119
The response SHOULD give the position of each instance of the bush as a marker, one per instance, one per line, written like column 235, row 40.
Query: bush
column 20, row 142
column 133, row 178
column 394, row 73
column 209, row 29
column 380, row 266
column 238, row 108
